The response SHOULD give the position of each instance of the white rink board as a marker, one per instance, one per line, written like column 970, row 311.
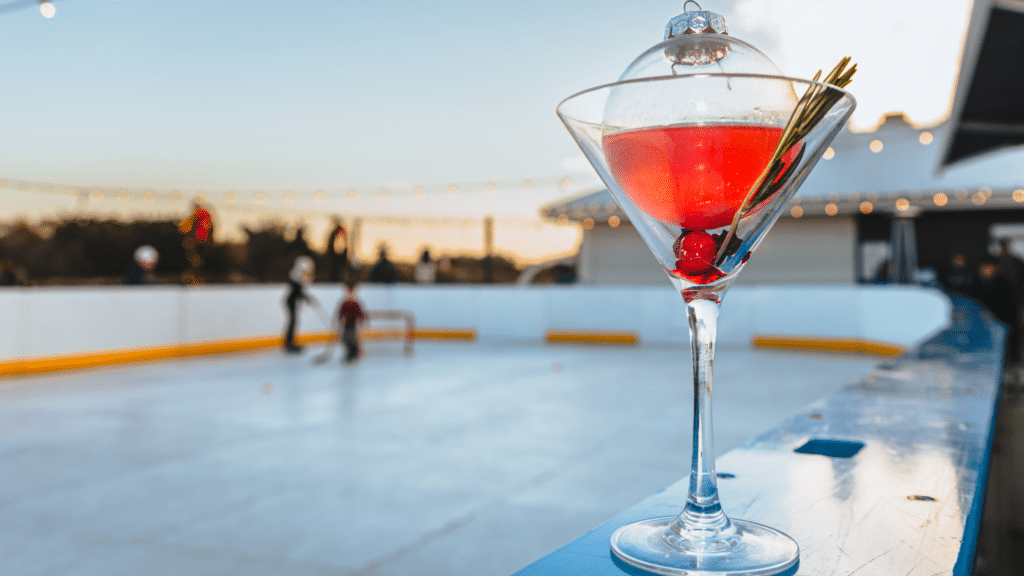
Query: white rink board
column 44, row 321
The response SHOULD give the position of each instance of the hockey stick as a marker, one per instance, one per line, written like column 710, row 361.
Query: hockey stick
column 328, row 351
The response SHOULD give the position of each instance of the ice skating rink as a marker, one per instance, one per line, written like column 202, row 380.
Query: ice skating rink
column 465, row 458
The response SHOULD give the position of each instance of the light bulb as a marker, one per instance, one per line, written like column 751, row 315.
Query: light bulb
column 47, row 9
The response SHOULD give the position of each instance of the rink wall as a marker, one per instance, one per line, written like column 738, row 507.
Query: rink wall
column 53, row 322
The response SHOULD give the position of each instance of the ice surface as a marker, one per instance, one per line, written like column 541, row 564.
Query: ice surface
column 461, row 459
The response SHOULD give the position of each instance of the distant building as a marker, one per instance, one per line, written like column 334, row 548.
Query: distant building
column 837, row 229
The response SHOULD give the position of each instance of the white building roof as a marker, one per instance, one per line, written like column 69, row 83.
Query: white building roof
column 899, row 161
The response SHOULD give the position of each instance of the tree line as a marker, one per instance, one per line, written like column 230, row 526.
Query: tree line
column 93, row 251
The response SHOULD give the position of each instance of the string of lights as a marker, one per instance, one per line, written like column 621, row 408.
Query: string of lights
column 260, row 197
column 46, row 7
column 905, row 201
column 319, row 204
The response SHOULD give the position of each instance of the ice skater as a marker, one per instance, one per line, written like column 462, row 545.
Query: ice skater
column 140, row 271
column 298, row 280
column 350, row 315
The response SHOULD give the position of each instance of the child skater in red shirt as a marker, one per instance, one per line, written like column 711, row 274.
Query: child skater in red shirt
column 350, row 315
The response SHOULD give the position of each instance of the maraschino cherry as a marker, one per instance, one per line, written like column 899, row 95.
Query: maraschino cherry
column 695, row 253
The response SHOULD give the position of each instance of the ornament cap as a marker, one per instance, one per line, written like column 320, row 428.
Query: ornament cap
column 698, row 21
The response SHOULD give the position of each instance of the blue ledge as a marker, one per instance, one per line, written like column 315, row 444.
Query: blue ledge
column 906, row 502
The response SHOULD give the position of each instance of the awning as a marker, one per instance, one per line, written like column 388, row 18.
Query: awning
column 598, row 207
column 988, row 107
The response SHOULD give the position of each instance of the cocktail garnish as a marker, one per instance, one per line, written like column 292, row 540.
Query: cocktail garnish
column 813, row 106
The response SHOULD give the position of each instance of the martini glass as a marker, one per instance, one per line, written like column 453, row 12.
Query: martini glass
column 696, row 164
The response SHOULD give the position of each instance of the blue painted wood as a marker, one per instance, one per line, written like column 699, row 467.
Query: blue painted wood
column 830, row 448
column 909, row 502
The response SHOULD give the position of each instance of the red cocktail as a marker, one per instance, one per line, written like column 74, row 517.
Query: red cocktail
column 695, row 177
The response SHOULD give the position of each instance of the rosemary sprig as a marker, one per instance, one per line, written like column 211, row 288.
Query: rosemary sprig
column 809, row 111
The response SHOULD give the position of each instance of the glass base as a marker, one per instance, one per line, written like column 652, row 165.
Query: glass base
column 751, row 549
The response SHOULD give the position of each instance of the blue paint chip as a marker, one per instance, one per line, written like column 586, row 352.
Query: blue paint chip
column 830, row 448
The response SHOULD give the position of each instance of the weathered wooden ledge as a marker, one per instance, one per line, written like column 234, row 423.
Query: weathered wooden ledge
column 907, row 502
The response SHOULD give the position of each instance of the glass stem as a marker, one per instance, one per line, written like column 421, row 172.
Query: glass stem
column 702, row 517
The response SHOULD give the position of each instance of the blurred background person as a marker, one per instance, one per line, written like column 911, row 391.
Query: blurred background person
column 383, row 271
column 199, row 224
column 1011, row 269
column 298, row 244
column 487, row 264
column 337, row 253
column 958, row 278
column 426, row 268
column 140, row 270
column 350, row 316
column 996, row 294
column 298, row 280
column 9, row 275
column 197, row 232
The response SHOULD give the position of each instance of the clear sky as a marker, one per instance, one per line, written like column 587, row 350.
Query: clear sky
column 333, row 95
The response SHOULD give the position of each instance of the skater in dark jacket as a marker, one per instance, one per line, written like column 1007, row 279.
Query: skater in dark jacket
column 298, row 279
